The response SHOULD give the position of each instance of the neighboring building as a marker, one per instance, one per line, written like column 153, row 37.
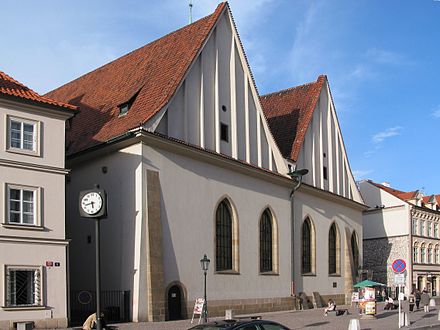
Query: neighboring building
column 402, row 225
column 176, row 134
column 33, row 247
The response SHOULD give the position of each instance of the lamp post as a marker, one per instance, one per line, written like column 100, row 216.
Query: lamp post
column 205, row 265
column 296, row 177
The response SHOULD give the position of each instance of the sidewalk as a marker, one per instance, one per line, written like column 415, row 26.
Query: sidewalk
column 314, row 319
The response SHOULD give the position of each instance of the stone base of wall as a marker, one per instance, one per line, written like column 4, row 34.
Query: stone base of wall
column 60, row 323
column 246, row 306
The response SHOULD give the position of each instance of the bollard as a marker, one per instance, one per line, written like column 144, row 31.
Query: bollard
column 438, row 318
column 406, row 321
column 354, row 325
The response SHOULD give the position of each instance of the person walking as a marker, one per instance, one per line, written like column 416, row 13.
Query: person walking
column 418, row 296
column 424, row 300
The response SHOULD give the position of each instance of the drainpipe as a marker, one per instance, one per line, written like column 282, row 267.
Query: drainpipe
column 296, row 177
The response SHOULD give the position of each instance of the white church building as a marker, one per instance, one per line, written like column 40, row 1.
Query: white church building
column 194, row 161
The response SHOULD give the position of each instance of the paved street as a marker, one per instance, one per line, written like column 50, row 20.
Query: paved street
column 314, row 319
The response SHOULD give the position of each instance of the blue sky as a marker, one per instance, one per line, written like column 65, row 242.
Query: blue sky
column 381, row 57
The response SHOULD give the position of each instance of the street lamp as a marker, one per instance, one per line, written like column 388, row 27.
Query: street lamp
column 296, row 177
column 205, row 265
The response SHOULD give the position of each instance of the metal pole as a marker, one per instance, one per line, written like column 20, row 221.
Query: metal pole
column 400, row 314
column 98, row 276
column 205, row 305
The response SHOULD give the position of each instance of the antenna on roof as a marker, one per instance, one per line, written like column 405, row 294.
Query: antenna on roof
column 190, row 12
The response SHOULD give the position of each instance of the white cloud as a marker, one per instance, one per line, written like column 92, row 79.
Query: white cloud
column 436, row 113
column 389, row 132
column 383, row 56
column 360, row 174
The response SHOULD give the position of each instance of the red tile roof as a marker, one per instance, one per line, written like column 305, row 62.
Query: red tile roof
column 11, row 87
column 152, row 73
column 289, row 113
column 403, row 195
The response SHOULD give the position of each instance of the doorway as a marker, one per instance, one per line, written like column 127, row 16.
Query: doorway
column 175, row 303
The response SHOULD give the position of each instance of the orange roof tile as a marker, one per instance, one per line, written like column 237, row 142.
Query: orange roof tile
column 403, row 195
column 152, row 73
column 289, row 113
column 11, row 87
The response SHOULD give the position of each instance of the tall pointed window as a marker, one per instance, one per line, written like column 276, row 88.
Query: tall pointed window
column 333, row 250
column 355, row 250
column 416, row 253
column 436, row 255
column 308, row 244
column 226, row 238
column 266, row 242
column 423, row 253
column 429, row 253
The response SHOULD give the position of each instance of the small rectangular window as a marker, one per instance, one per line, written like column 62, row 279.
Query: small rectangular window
column 21, row 205
column 324, row 171
column 123, row 109
column 23, row 286
column 224, row 132
column 22, row 135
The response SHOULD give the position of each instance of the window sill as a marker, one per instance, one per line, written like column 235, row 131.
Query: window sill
column 272, row 273
column 227, row 272
column 22, row 227
column 22, row 308
column 334, row 275
column 23, row 152
column 308, row 274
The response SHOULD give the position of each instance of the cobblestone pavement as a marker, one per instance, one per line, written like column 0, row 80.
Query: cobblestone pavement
column 314, row 319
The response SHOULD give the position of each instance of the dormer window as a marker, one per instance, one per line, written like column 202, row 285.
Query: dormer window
column 123, row 109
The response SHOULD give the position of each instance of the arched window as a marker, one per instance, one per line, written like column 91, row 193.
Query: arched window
column 423, row 253
column 355, row 250
column 333, row 250
column 308, row 244
column 223, row 237
column 436, row 255
column 416, row 252
column 266, row 243
column 429, row 254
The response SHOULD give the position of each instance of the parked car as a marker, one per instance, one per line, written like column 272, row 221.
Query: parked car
column 241, row 324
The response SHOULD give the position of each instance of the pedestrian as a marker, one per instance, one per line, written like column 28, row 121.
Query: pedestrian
column 424, row 300
column 418, row 297
column 331, row 307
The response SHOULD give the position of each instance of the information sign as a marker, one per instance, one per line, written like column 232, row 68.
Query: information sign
column 399, row 279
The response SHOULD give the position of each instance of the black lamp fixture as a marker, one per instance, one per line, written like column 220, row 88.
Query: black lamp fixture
column 205, row 265
column 297, row 176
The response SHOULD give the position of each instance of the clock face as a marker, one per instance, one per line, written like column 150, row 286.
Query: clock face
column 91, row 203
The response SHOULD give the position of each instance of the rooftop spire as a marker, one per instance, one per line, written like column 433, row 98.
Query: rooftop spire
column 190, row 12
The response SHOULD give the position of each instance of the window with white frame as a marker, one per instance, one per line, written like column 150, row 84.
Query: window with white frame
column 435, row 229
column 21, row 205
column 422, row 228
column 423, row 253
column 23, row 286
column 436, row 255
column 416, row 253
column 429, row 226
column 22, row 134
column 429, row 253
column 414, row 226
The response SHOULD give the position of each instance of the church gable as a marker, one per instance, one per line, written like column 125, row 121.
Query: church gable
column 216, row 106
column 306, row 128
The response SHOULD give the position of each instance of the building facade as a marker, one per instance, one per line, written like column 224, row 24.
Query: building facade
column 402, row 225
column 195, row 162
column 33, row 247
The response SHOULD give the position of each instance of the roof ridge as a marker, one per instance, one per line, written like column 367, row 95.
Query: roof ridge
column 293, row 87
column 141, row 47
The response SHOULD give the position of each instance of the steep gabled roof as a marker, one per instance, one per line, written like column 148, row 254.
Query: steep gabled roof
column 289, row 113
column 403, row 195
column 11, row 87
column 147, row 78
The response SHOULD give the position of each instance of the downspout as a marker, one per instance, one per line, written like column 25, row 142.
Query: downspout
column 296, row 177
column 410, row 252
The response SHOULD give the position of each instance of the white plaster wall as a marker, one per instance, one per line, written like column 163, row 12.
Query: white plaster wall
column 386, row 222
column 117, row 231
column 191, row 190
column 51, row 141
column 54, row 278
column 51, row 203
column 323, row 212
column 375, row 196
